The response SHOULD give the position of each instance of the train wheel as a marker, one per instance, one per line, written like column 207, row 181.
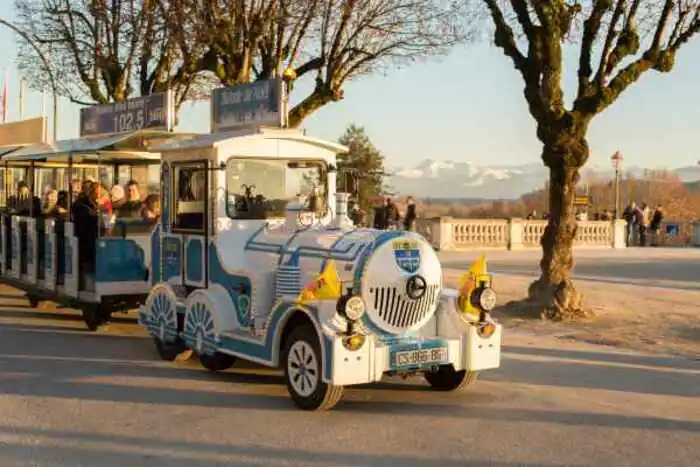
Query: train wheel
column 449, row 379
column 302, row 371
column 217, row 362
column 172, row 351
column 94, row 317
column 34, row 301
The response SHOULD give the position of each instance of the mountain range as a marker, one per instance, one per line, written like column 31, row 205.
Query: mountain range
column 466, row 180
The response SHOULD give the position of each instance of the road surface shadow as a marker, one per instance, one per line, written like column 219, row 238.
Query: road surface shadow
column 113, row 451
column 70, row 366
column 607, row 357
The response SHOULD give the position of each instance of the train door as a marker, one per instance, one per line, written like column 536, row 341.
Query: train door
column 184, row 245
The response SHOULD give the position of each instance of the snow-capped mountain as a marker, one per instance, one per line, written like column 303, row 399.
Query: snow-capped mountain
column 450, row 179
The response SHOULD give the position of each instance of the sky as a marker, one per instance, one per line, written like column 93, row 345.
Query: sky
column 467, row 106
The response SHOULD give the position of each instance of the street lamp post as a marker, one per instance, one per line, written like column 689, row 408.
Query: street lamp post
column 54, row 89
column 616, row 160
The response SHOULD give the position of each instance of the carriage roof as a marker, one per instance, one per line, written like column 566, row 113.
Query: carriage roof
column 129, row 147
column 257, row 142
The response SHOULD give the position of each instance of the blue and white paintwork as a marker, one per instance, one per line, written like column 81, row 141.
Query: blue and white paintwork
column 239, row 297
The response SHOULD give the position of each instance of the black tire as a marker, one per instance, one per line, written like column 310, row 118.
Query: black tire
column 324, row 396
column 448, row 379
column 172, row 351
column 34, row 301
column 217, row 362
column 95, row 316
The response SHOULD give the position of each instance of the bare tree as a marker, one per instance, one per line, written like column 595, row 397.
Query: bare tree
column 105, row 51
column 630, row 37
column 337, row 40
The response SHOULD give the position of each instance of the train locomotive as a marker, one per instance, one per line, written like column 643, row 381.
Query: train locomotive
column 292, row 287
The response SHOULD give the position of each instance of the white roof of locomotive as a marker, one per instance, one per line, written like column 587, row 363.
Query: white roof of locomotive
column 227, row 142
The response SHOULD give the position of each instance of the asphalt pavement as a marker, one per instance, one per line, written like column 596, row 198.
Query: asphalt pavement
column 73, row 398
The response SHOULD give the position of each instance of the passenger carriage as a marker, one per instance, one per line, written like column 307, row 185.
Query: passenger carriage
column 249, row 219
column 40, row 254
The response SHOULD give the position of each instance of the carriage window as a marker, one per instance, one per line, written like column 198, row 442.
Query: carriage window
column 189, row 196
column 258, row 189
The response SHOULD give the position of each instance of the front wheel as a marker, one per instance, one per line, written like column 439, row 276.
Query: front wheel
column 449, row 379
column 217, row 362
column 302, row 371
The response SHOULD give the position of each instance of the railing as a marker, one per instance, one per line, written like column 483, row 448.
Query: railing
column 446, row 233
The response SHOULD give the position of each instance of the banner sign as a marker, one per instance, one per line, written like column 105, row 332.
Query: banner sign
column 252, row 104
column 154, row 112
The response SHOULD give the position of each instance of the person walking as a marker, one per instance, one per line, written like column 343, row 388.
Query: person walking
column 393, row 217
column 655, row 226
column 629, row 216
column 410, row 218
column 643, row 220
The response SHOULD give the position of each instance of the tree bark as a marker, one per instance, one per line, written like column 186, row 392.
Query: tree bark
column 554, row 293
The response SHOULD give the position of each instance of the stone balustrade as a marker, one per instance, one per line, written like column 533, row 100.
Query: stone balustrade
column 446, row 233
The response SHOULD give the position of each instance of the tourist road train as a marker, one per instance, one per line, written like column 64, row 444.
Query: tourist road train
column 254, row 258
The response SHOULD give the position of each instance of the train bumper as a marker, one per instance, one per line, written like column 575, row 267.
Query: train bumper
column 471, row 352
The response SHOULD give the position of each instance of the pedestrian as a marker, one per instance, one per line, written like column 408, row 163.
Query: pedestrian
column 380, row 216
column 410, row 218
column 393, row 217
column 629, row 216
column 643, row 220
column 656, row 221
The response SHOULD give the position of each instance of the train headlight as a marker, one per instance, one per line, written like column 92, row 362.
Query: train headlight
column 484, row 299
column 354, row 308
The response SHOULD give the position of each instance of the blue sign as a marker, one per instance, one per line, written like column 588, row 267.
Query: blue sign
column 673, row 230
column 152, row 112
column 258, row 103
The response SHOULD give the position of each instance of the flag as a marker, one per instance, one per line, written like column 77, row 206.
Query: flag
column 468, row 283
column 326, row 286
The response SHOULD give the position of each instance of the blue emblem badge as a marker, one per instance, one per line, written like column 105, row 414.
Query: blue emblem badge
column 407, row 255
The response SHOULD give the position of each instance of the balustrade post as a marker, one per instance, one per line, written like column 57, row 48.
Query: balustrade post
column 619, row 233
column 441, row 233
column 515, row 234
column 696, row 233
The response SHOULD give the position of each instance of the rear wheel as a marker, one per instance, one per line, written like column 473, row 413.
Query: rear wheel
column 449, row 379
column 302, row 370
column 95, row 316
column 34, row 301
column 217, row 362
column 172, row 351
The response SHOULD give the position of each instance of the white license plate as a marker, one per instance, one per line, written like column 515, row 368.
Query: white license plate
column 421, row 357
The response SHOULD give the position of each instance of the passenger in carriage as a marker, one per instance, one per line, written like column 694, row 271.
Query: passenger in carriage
column 104, row 203
column 85, row 216
column 21, row 204
column 50, row 199
column 151, row 208
column 60, row 207
column 117, row 196
column 132, row 206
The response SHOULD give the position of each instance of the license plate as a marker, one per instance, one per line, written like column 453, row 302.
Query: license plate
column 420, row 357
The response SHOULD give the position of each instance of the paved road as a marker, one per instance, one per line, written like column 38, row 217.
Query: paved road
column 71, row 398
column 674, row 268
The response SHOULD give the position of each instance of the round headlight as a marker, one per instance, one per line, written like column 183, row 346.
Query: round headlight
column 354, row 308
column 487, row 299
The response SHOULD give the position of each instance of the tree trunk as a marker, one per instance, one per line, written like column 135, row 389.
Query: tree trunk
column 554, row 293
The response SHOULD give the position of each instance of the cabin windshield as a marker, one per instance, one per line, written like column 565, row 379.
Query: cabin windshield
column 260, row 188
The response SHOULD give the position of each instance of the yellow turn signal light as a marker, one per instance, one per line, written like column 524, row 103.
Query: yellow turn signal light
column 354, row 342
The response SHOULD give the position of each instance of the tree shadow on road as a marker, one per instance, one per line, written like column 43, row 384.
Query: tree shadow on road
column 112, row 369
column 117, row 450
